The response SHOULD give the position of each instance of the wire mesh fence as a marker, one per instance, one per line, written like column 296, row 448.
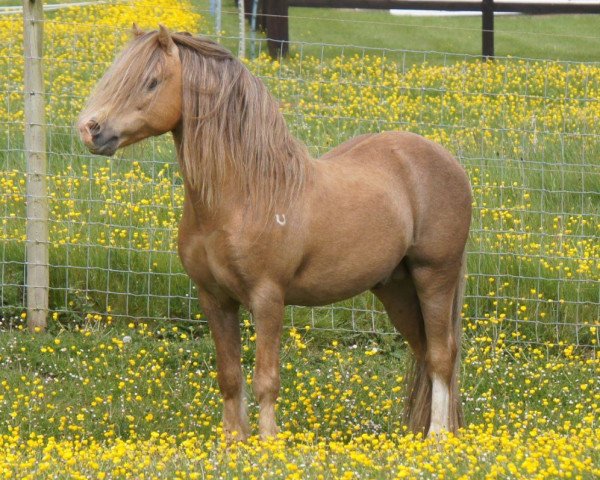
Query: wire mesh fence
column 525, row 130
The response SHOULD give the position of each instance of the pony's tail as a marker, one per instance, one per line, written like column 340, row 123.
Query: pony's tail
column 456, row 411
column 417, row 413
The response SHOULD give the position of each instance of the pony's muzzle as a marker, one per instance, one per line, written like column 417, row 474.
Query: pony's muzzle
column 98, row 140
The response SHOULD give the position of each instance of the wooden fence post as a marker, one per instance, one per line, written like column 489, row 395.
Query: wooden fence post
column 37, row 274
column 242, row 32
column 218, row 13
column 487, row 29
column 277, row 27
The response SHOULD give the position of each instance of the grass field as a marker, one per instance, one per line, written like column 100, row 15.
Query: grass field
column 114, row 390
column 566, row 37
column 555, row 37
column 139, row 400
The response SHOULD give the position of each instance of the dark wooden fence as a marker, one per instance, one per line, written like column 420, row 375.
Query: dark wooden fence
column 274, row 14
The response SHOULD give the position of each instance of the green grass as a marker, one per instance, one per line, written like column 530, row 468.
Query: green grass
column 80, row 382
column 561, row 37
column 555, row 37
column 70, row 354
column 145, row 279
column 96, row 384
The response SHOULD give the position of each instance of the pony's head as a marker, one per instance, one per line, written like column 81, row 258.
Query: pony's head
column 139, row 96
column 228, row 129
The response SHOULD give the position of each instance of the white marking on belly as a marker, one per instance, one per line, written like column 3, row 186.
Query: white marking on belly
column 280, row 219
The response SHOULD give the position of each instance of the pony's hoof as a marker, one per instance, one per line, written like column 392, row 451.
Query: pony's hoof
column 438, row 436
column 269, row 434
column 234, row 436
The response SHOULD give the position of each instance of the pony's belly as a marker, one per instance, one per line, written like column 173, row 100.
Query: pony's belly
column 347, row 258
column 311, row 297
column 329, row 285
column 311, row 300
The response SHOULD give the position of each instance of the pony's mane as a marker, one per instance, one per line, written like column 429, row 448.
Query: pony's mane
column 232, row 129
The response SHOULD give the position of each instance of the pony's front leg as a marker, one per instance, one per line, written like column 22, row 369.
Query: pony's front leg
column 223, row 320
column 267, row 308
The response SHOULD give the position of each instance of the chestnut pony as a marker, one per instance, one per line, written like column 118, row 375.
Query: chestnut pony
column 265, row 225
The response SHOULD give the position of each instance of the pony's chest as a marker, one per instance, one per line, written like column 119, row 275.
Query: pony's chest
column 210, row 262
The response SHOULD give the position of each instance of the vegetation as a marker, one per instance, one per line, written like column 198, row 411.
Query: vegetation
column 137, row 401
column 114, row 390
column 562, row 37
column 555, row 37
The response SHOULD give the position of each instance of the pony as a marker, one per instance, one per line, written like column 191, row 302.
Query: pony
column 265, row 225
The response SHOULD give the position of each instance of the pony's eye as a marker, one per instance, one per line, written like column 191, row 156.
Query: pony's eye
column 152, row 84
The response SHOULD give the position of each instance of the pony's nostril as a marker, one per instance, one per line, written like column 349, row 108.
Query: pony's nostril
column 89, row 131
column 93, row 127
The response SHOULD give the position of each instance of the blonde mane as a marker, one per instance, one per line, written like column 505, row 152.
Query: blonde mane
column 232, row 130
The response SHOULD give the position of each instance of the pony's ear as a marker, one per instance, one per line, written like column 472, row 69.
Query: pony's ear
column 166, row 40
column 136, row 31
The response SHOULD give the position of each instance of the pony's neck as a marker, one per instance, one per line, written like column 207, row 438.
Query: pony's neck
column 233, row 138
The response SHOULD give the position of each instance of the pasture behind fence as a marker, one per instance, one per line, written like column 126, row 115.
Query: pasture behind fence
column 525, row 130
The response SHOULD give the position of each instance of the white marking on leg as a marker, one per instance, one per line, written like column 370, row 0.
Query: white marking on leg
column 440, row 404
column 280, row 219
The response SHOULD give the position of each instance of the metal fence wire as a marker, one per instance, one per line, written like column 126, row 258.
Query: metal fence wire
column 525, row 130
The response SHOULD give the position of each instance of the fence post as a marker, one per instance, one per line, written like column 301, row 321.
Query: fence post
column 487, row 28
column 277, row 28
column 37, row 274
column 242, row 25
column 218, row 9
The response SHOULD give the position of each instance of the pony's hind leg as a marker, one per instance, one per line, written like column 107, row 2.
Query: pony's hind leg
column 438, row 291
column 399, row 297
column 224, row 325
